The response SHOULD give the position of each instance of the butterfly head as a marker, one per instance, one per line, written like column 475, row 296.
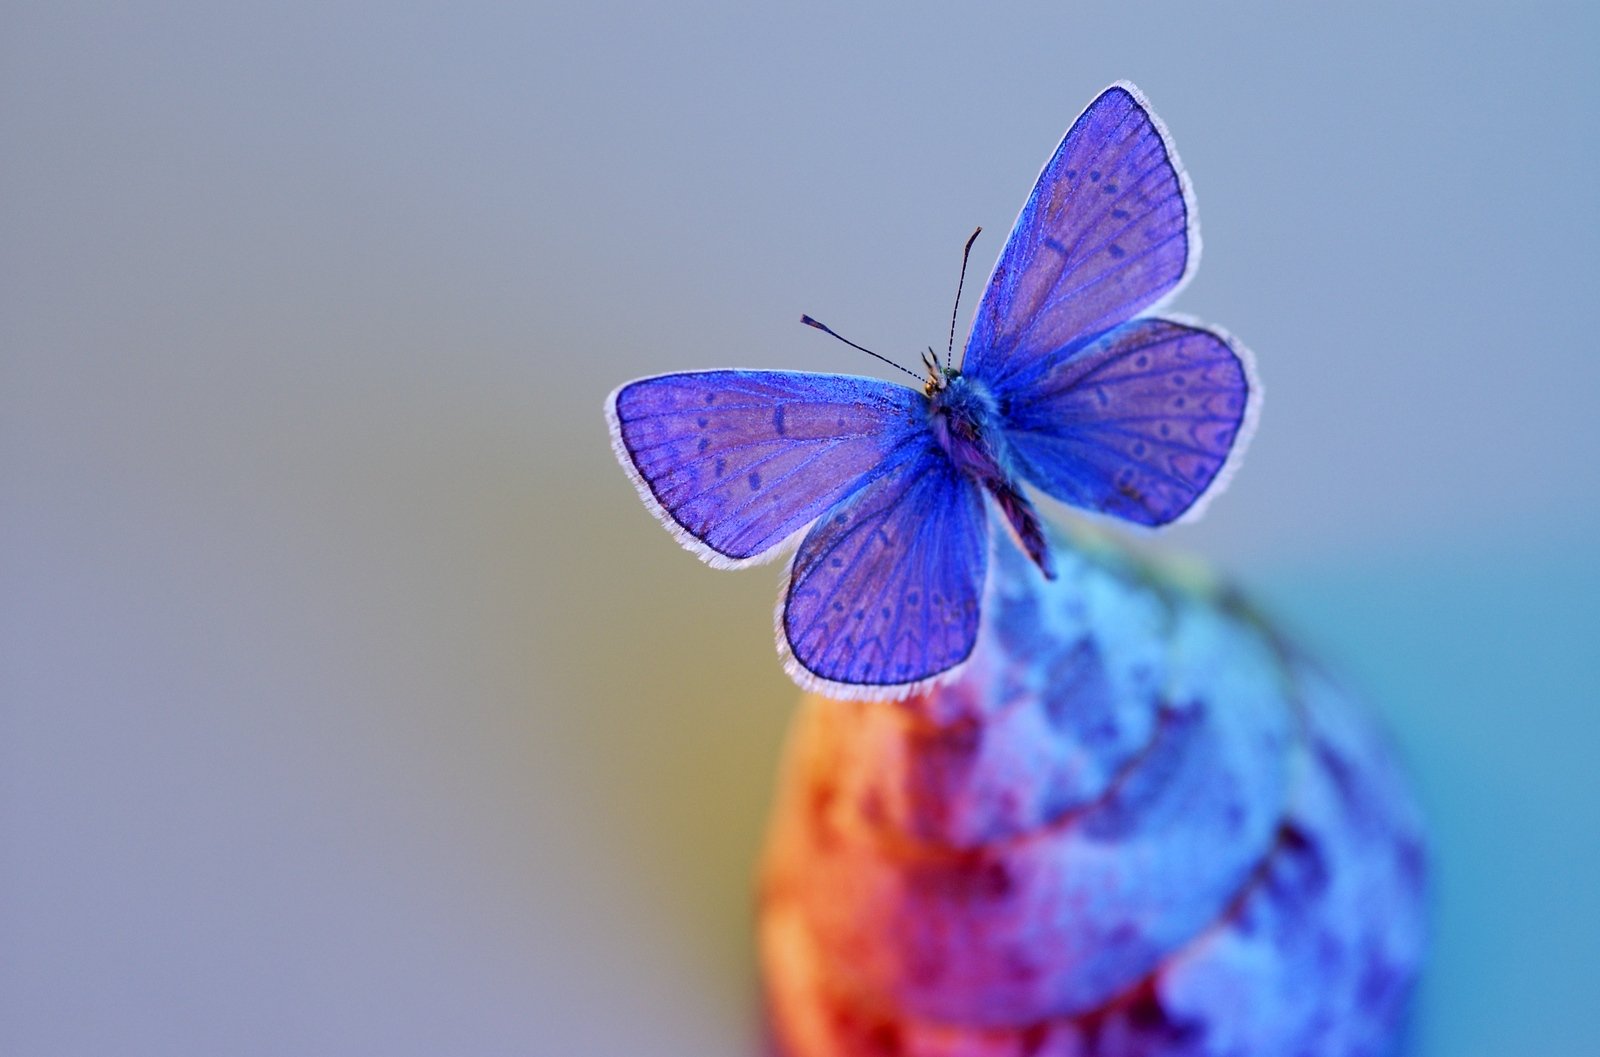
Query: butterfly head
column 938, row 378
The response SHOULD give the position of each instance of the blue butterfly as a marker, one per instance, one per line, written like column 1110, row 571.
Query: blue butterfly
column 1063, row 385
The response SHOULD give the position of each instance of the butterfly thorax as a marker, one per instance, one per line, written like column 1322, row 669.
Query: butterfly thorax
column 966, row 421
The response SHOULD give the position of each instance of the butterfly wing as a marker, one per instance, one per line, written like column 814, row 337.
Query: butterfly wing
column 883, row 593
column 1143, row 423
column 1108, row 230
column 736, row 462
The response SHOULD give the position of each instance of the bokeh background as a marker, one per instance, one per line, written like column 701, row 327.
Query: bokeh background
column 350, row 703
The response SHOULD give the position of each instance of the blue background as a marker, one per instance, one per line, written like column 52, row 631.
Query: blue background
column 350, row 702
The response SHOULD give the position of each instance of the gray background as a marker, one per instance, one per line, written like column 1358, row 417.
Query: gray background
column 349, row 701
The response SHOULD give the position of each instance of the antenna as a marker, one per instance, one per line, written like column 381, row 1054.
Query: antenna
column 808, row 321
column 954, row 312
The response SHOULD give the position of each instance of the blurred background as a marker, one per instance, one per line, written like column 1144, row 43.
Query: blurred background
column 350, row 702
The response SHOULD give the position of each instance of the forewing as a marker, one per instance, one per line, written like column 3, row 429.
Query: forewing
column 736, row 462
column 1143, row 423
column 1108, row 230
column 883, row 593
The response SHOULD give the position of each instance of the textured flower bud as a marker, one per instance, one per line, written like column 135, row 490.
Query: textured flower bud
column 1137, row 824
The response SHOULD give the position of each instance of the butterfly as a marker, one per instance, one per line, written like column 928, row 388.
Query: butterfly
column 1065, row 384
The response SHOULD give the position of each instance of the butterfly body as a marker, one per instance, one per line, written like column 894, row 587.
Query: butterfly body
column 1063, row 386
column 965, row 419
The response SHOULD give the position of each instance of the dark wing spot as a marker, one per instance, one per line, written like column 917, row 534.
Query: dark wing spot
column 1117, row 252
column 1094, row 174
column 702, row 422
column 705, row 442
column 1109, row 188
column 721, row 465
column 755, row 480
column 777, row 420
column 1119, row 214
